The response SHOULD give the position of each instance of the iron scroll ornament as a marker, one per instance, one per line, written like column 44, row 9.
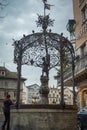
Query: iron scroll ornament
column 33, row 48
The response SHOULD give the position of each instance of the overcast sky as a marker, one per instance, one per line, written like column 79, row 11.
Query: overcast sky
column 20, row 17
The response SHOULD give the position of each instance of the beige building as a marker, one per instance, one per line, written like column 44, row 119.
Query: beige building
column 80, row 16
column 79, row 28
column 55, row 96
column 8, row 84
column 68, row 96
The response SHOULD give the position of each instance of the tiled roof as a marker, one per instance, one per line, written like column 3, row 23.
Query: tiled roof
column 9, row 74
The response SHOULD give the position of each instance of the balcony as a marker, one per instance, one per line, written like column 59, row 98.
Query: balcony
column 80, row 72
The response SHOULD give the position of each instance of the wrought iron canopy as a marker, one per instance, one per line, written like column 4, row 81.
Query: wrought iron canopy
column 33, row 48
column 45, row 50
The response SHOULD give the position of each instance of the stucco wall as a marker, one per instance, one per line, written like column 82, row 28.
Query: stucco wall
column 43, row 119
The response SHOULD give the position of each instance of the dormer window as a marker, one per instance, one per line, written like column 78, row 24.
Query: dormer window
column 2, row 73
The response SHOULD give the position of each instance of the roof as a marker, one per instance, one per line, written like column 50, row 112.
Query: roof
column 33, row 86
column 9, row 74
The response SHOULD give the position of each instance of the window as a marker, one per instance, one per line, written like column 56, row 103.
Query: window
column 83, row 50
column 1, row 84
column 57, row 96
column 14, row 94
column 2, row 73
column 84, row 13
column 53, row 95
column 65, row 95
column 49, row 95
column 6, row 83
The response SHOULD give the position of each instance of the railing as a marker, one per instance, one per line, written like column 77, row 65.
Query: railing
column 80, row 66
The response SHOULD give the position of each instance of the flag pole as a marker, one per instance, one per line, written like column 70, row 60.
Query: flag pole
column 44, row 1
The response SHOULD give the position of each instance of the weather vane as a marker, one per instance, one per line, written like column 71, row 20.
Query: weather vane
column 45, row 21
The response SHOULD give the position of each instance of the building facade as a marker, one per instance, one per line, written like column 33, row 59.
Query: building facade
column 80, row 16
column 33, row 94
column 68, row 96
column 80, row 33
column 8, row 84
column 55, row 96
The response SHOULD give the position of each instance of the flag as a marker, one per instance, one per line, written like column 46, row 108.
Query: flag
column 47, row 6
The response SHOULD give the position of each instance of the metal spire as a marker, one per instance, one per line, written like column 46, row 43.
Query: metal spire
column 44, row 1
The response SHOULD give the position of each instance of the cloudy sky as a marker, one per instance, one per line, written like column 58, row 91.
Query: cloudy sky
column 20, row 17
